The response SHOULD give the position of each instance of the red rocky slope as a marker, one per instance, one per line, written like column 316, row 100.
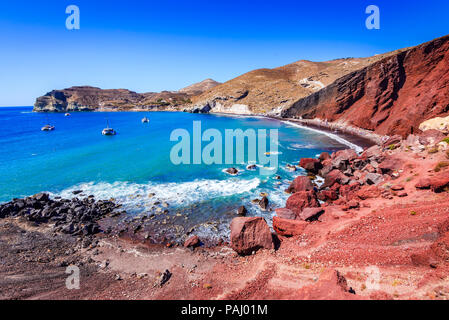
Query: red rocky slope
column 392, row 96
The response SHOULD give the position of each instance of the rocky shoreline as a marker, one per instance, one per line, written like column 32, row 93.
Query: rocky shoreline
column 386, row 207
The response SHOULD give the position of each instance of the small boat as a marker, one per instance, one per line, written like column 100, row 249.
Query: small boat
column 145, row 120
column 67, row 115
column 108, row 131
column 47, row 127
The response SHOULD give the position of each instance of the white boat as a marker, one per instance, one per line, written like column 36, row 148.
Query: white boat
column 67, row 115
column 108, row 131
column 47, row 127
column 145, row 120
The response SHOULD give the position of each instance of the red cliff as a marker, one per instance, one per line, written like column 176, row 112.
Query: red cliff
column 391, row 96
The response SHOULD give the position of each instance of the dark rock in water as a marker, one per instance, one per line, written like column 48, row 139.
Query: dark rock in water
column 263, row 203
column 76, row 192
column 241, row 211
column 251, row 167
column 232, row 171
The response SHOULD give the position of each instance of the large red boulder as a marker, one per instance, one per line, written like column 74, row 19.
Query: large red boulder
column 289, row 228
column 335, row 176
column 389, row 165
column 330, row 286
column 250, row 234
column 436, row 183
column 369, row 192
column 300, row 200
column 192, row 242
column 311, row 165
column 300, row 183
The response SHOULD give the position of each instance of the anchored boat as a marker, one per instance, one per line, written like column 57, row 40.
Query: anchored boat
column 108, row 131
column 145, row 120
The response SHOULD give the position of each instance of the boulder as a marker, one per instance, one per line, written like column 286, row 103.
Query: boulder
column 373, row 178
column 285, row 213
column 335, row 176
column 232, row 171
column 369, row 192
column 310, row 214
column 350, row 191
column 389, row 165
column 311, row 165
column 394, row 140
column 300, row 200
column 241, row 211
column 373, row 152
column 436, row 183
column 324, row 156
column 263, row 203
column 192, row 242
column 288, row 228
column 300, row 183
column 346, row 155
column 250, row 234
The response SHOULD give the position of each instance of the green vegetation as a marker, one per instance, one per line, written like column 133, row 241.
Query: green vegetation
column 445, row 140
column 413, row 213
column 392, row 147
column 433, row 150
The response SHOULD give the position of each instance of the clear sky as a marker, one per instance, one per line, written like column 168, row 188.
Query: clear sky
column 166, row 44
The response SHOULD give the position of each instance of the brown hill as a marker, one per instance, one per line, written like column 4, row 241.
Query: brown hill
column 86, row 98
column 273, row 90
column 200, row 87
column 391, row 96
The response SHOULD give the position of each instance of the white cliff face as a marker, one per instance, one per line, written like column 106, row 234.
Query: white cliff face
column 235, row 109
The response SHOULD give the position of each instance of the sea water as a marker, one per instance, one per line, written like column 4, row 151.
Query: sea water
column 135, row 164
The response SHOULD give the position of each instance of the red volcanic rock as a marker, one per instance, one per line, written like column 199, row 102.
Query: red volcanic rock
column 285, row 213
column 388, row 166
column 311, row 165
column 436, row 184
column 192, row 242
column 311, row 214
column 335, row 176
column 392, row 141
column 369, row 192
column 288, row 228
column 250, row 234
column 330, row 286
column 300, row 183
column 327, row 195
column 392, row 96
column 324, row 156
column 373, row 152
column 350, row 191
column 345, row 155
column 397, row 187
column 300, row 200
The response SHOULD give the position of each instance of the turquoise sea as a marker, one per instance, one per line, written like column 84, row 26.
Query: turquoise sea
column 135, row 164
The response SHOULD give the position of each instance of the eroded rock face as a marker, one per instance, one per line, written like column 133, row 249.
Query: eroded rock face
column 250, row 234
column 392, row 96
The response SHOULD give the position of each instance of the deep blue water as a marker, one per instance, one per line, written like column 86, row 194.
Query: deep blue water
column 136, row 162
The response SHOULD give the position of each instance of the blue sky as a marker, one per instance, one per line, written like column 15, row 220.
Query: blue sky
column 166, row 45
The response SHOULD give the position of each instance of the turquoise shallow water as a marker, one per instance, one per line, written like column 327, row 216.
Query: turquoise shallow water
column 136, row 162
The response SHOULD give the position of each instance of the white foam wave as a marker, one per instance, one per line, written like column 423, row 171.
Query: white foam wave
column 137, row 195
column 329, row 134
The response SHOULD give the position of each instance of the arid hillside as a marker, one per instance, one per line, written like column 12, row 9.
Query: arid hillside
column 273, row 90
